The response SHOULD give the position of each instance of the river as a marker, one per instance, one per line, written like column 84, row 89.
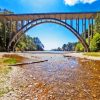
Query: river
column 59, row 78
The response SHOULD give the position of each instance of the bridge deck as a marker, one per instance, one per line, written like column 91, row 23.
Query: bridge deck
column 62, row 16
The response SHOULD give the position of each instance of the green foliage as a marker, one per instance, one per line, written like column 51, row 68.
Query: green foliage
column 68, row 47
column 10, row 61
column 95, row 42
column 97, row 23
column 96, row 54
column 4, row 35
column 4, row 91
column 5, row 70
column 26, row 43
column 79, row 47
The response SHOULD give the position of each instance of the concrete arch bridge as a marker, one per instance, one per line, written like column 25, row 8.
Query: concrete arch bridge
column 77, row 23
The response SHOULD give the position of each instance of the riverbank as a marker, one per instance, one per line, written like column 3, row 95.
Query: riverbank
column 32, row 55
column 83, row 55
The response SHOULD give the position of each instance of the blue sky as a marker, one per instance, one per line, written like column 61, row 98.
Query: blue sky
column 52, row 35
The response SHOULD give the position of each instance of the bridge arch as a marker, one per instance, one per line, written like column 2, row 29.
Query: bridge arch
column 39, row 21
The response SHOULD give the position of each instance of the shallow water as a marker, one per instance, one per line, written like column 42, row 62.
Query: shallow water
column 60, row 78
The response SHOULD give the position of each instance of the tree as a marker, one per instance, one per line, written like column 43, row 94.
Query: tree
column 79, row 47
column 26, row 44
column 4, row 36
column 97, row 23
column 4, row 32
column 95, row 42
column 64, row 47
column 70, row 46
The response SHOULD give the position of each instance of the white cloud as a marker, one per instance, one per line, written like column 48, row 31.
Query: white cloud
column 73, row 2
column 88, row 1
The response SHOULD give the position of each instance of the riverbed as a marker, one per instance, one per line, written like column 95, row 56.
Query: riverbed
column 59, row 78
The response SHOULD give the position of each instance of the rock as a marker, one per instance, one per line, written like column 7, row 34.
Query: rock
column 35, row 98
column 30, row 86
column 34, row 78
column 31, row 76
column 80, row 95
column 94, row 95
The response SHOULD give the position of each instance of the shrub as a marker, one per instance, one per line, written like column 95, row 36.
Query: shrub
column 95, row 43
column 79, row 47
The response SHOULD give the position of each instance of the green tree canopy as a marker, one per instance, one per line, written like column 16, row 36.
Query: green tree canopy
column 95, row 42
column 97, row 23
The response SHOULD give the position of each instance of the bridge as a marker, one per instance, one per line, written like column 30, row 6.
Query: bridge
column 77, row 23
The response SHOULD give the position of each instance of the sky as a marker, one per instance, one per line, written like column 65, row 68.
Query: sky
column 51, row 35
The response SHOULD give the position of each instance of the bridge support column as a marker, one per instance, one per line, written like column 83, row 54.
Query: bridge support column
column 10, row 35
column 92, row 28
column 82, row 26
column 78, row 25
column 71, row 22
column 22, row 23
column 5, row 32
column 88, row 31
column 85, row 28
column 65, row 20
column 16, row 26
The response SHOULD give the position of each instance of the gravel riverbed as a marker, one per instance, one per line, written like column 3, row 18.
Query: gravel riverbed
column 59, row 78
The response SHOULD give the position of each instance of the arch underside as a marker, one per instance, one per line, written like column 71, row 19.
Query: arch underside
column 34, row 23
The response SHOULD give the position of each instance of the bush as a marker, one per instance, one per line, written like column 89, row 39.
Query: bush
column 95, row 43
column 79, row 47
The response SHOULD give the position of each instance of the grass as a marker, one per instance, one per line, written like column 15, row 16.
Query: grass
column 4, row 62
column 5, row 69
column 10, row 61
column 4, row 91
column 95, row 54
column 14, row 57
column 7, row 60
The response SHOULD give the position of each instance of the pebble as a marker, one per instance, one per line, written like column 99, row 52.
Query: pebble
column 31, row 76
column 34, row 78
column 35, row 98
column 30, row 86
column 94, row 95
column 80, row 95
